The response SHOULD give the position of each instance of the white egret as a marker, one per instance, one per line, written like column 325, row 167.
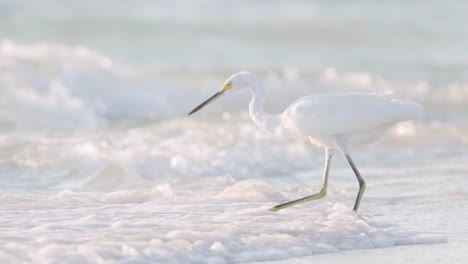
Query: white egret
column 332, row 121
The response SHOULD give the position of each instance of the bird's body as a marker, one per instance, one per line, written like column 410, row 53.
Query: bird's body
column 357, row 117
column 331, row 121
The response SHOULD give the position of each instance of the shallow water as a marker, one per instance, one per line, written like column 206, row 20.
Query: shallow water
column 99, row 162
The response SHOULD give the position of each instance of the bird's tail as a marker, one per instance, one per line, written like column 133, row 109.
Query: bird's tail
column 410, row 109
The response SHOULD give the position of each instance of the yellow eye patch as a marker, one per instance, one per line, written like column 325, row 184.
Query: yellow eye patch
column 227, row 86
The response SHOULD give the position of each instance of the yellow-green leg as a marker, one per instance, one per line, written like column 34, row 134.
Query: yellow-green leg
column 321, row 194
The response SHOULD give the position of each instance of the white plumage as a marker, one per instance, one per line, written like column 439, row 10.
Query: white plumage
column 333, row 121
column 352, row 116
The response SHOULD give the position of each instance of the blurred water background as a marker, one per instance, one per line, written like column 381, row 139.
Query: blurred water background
column 99, row 162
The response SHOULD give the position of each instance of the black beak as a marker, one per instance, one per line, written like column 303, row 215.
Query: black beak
column 209, row 100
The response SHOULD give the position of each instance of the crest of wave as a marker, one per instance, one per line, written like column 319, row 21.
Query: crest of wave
column 66, row 87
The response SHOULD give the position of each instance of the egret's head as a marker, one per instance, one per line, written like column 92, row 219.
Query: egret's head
column 237, row 82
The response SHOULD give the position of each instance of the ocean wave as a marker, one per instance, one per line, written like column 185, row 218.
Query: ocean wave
column 184, row 150
column 49, row 86
column 57, row 86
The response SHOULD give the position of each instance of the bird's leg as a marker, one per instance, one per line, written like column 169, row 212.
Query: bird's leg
column 362, row 183
column 321, row 194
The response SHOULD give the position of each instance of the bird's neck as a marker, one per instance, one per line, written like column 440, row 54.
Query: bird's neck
column 264, row 120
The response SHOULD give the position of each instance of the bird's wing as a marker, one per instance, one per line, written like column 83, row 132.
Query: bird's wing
column 335, row 114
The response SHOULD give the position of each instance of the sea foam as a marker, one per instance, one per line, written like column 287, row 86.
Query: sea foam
column 158, row 225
